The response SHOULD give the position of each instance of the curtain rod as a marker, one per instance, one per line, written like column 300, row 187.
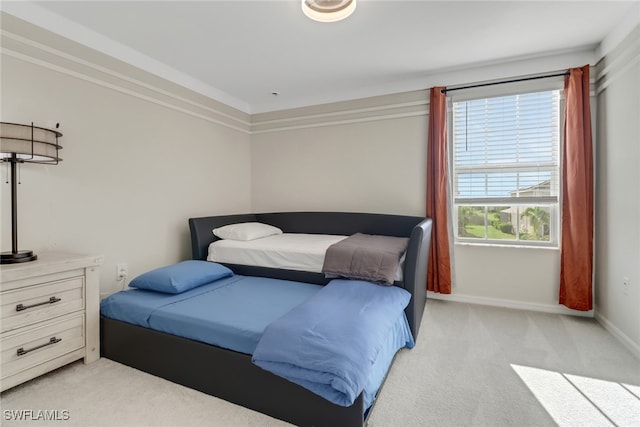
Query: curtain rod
column 523, row 79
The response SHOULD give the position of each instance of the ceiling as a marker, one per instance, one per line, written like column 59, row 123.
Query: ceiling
column 241, row 52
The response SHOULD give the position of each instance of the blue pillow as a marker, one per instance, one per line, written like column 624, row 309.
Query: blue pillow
column 180, row 277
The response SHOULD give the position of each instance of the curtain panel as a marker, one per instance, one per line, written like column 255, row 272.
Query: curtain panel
column 439, row 266
column 576, row 251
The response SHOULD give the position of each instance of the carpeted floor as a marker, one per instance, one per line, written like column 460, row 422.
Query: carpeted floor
column 472, row 366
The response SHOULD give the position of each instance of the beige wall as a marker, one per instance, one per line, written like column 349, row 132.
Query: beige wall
column 365, row 166
column 617, row 248
column 137, row 163
column 343, row 168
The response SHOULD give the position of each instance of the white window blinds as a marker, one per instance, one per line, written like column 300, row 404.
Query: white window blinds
column 506, row 149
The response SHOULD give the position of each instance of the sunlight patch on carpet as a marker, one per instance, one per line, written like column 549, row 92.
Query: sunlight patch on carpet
column 576, row 400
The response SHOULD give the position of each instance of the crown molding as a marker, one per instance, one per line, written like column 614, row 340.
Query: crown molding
column 618, row 60
column 34, row 45
column 29, row 43
column 400, row 105
column 620, row 32
column 61, row 27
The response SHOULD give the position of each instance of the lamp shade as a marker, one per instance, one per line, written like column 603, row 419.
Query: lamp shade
column 29, row 143
column 24, row 144
column 328, row 10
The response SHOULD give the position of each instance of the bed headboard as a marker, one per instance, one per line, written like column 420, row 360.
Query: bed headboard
column 418, row 229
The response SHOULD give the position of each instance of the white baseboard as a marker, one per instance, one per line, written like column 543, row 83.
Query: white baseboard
column 545, row 308
column 620, row 336
column 505, row 303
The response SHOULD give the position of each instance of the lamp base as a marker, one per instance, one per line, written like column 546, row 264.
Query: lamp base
column 16, row 257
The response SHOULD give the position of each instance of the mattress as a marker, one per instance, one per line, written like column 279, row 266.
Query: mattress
column 289, row 251
column 230, row 313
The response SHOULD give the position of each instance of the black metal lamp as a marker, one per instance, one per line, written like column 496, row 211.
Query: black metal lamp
column 24, row 144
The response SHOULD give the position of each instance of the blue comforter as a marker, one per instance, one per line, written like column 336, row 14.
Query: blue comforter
column 329, row 343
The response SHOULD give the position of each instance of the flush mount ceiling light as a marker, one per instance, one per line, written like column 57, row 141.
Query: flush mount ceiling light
column 328, row 10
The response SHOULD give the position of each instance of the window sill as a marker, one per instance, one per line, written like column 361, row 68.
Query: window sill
column 507, row 246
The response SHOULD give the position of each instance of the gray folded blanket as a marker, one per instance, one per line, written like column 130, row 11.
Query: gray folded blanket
column 365, row 257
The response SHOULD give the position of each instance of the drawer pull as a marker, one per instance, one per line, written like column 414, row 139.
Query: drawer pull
column 51, row 300
column 53, row 340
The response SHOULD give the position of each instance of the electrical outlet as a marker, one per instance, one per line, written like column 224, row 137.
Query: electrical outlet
column 625, row 285
column 122, row 270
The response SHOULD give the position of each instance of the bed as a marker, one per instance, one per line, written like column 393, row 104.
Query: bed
column 234, row 377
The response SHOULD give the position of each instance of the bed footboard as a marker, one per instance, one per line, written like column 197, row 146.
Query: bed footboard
column 223, row 373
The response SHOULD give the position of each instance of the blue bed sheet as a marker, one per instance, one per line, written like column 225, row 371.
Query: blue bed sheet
column 231, row 313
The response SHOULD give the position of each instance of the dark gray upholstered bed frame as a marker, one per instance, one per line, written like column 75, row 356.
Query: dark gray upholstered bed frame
column 231, row 375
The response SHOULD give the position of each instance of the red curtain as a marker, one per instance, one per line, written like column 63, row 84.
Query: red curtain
column 439, row 269
column 576, row 252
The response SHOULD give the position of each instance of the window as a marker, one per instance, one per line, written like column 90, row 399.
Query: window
column 505, row 153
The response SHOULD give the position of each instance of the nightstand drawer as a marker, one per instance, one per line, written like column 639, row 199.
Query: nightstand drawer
column 31, row 304
column 32, row 346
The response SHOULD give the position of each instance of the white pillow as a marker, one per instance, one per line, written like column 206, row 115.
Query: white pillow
column 246, row 231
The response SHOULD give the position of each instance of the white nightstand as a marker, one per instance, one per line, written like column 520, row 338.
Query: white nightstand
column 49, row 309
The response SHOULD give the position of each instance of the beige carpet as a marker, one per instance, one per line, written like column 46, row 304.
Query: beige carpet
column 473, row 366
